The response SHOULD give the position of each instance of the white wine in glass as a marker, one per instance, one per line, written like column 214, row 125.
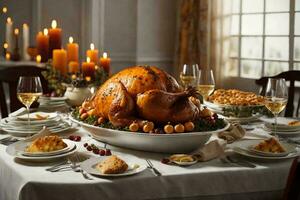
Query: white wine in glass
column 188, row 75
column 276, row 98
column 206, row 83
column 29, row 90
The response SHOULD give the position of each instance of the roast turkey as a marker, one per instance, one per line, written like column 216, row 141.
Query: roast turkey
column 144, row 93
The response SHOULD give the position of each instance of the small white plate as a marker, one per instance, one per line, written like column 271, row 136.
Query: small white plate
column 21, row 147
column 90, row 166
column 184, row 163
column 34, row 116
column 289, row 148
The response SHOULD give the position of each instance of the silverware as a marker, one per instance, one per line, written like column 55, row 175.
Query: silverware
column 154, row 170
column 242, row 163
column 58, row 165
column 293, row 141
column 77, row 168
column 8, row 140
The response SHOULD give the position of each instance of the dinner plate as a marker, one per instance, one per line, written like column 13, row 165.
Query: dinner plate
column 34, row 116
column 283, row 133
column 22, row 145
column 43, row 98
column 289, row 148
column 133, row 167
column 282, row 123
column 47, row 158
column 242, row 148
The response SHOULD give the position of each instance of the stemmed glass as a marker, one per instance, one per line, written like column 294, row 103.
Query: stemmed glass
column 29, row 90
column 188, row 75
column 276, row 98
column 206, row 82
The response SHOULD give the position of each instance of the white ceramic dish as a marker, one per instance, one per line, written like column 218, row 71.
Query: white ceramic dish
column 21, row 149
column 163, row 143
column 289, row 148
column 33, row 116
column 44, row 98
column 90, row 167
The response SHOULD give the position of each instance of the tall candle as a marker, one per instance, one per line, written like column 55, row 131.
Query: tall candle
column 42, row 41
column 105, row 62
column 9, row 34
column 92, row 53
column 54, row 38
column 88, row 68
column 60, row 60
column 72, row 49
column 25, row 42
column 73, row 67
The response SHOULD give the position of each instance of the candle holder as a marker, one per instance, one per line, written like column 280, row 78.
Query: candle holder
column 15, row 56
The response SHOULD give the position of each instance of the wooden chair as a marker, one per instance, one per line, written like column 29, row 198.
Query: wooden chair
column 10, row 75
column 291, row 77
column 292, row 190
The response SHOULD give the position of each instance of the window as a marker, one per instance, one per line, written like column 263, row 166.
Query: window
column 264, row 37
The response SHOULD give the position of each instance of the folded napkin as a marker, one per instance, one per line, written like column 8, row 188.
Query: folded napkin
column 211, row 150
column 235, row 132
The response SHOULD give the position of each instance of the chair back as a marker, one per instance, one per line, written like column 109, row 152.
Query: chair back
column 10, row 75
column 291, row 77
column 292, row 189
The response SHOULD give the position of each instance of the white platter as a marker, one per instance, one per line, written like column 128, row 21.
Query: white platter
column 163, row 143
column 90, row 166
column 33, row 116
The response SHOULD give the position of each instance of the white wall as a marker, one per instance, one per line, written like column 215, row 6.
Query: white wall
column 131, row 31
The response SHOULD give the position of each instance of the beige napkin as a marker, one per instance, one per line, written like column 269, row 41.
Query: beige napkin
column 235, row 132
column 213, row 149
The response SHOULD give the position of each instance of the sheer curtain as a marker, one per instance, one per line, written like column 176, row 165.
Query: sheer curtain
column 203, row 36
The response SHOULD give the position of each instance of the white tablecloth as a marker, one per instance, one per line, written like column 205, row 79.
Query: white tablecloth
column 208, row 180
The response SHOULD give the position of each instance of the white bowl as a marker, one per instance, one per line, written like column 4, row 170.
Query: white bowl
column 162, row 143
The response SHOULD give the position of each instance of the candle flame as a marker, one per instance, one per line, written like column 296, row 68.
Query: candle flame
column 104, row 55
column 8, row 20
column 88, row 59
column 7, row 56
column 38, row 58
column 53, row 24
column 70, row 39
column 92, row 46
column 5, row 45
column 45, row 31
column 16, row 31
column 4, row 9
column 88, row 78
column 25, row 25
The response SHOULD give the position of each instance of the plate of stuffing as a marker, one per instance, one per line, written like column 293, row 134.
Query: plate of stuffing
column 113, row 166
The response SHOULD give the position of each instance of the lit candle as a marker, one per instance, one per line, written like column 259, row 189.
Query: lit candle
column 16, row 32
column 25, row 42
column 72, row 49
column 92, row 53
column 60, row 60
column 4, row 10
column 38, row 58
column 105, row 62
column 88, row 68
column 73, row 67
column 9, row 34
column 5, row 46
column 54, row 38
column 42, row 41
column 7, row 56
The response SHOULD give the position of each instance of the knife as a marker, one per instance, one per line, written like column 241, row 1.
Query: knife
column 242, row 163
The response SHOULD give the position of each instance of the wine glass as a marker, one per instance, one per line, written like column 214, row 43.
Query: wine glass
column 188, row 75
column 206, row 82
column 29, row 90
column 276, row 97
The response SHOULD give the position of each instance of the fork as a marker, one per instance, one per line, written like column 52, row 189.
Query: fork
column 228, row 159
column 77, row 168
column 154, row 170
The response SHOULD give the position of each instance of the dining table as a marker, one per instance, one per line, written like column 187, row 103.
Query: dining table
column 214, row 179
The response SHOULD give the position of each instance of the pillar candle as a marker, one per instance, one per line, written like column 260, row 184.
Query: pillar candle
column 72, row 49
column 88, row 68
column 9, row 34
column 25, row 42
column 54, row 38
column 105, row 62
column 42, row 41
column 60, row 60
column 73, row 67
column 92, row 54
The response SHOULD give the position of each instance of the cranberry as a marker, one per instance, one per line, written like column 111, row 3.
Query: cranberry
column 102, row 152
column 72, row 137
column 96, row 151
column 85, row 144
column 107, row 152
column 165, row 160
column 77, row 138
column 215, row 116
column 89, row 148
